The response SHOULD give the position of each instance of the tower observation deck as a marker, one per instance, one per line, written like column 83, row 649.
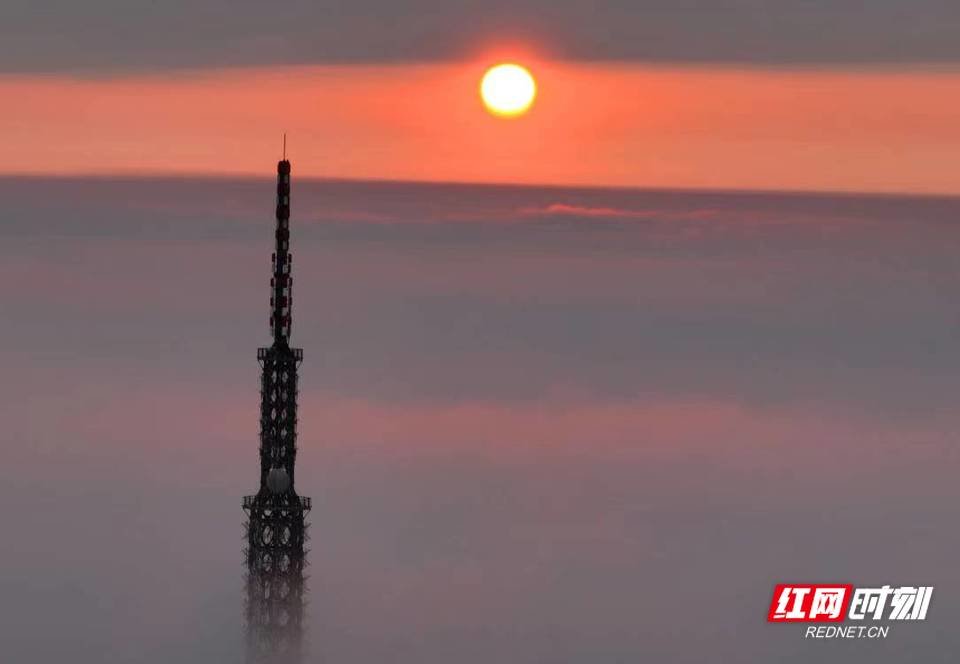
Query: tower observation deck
column 275, row 528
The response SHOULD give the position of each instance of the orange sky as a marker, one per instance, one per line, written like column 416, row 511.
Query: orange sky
column 592, row 124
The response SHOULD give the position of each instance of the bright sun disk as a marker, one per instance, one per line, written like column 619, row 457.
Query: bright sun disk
column 508, row 89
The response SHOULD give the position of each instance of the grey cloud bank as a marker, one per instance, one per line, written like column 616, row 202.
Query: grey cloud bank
column 104, row 36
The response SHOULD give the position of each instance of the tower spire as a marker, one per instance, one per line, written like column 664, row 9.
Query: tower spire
column 276, row 527
column 281, row 283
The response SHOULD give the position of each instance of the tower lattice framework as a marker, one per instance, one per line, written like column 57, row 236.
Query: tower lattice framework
column 276, row 527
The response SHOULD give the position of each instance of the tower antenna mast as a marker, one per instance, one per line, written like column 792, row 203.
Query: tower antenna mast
column 276, row 527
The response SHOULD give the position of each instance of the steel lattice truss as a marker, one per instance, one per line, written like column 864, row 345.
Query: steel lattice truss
column 276, row 528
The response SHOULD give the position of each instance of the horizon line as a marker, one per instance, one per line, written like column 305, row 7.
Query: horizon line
column 268, row 175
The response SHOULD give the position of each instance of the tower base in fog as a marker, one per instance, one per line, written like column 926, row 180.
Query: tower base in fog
column 276, row 533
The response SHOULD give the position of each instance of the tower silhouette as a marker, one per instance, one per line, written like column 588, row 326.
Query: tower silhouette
column 275, row 527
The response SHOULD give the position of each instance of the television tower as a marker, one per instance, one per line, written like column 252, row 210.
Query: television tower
column 276, row 530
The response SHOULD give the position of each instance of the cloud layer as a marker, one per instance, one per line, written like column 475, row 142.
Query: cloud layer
column 532, row 431
column 109, row 35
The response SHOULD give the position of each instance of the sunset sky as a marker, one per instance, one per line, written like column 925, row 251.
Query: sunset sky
column 581, row 397
column 750, row 95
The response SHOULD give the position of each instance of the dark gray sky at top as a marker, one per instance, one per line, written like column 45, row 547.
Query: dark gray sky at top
column 104, row 35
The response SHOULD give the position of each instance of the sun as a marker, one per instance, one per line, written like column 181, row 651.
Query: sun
column 508, row 90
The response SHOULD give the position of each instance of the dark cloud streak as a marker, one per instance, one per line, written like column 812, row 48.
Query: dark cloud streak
column 106, row 36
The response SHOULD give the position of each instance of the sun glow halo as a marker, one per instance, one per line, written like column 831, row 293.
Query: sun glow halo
column 508, row 90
